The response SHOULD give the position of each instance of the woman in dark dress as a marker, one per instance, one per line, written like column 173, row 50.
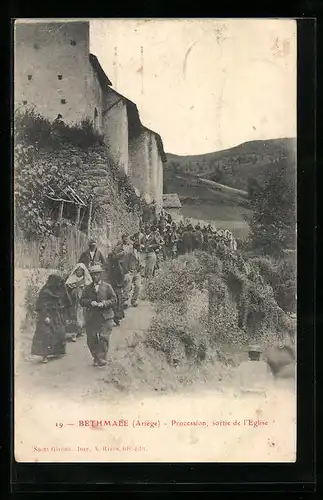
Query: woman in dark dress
column 49, row 339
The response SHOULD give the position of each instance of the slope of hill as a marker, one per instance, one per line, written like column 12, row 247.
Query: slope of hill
column 235, row 165
column 203, row 204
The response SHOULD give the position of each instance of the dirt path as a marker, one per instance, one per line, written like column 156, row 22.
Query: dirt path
column 73, row 374
column 69, row 390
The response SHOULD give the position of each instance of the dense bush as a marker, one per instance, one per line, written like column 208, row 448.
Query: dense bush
column 175, row 336
column 32, row 128
column 273, row 202
column 134, row 202
column 281, row 275
column 235, row 305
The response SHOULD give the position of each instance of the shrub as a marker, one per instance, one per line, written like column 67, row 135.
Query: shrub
column 273, row 202
column 240, row 307
column 54, row 155
column 133, row 201
column 172, row 334
column 33, row 129
column 280, row 274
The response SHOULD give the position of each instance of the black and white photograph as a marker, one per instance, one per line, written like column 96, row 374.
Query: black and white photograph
column 155, row 237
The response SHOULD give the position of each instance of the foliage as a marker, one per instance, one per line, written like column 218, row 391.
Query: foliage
column 273, row 201
column 281, row 275
column 31, row 298
column 174, row 281
column 32, row 128
column 235, row 305
column 176, row 338
column 54, row 155
column 134, row 201
column 29, row 191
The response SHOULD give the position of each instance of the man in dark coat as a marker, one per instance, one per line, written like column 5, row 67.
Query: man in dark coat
column 197, row 238
column 92, row 256
column 116, row 276
column 98, row 299
column 188, row 239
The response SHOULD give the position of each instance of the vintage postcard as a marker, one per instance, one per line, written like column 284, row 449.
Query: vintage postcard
column 155, row 240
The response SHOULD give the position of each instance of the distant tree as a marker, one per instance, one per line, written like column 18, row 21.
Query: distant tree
column 273, row 201
column 253, row 188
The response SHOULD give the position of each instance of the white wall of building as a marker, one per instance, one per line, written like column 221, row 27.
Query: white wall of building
column 53, row 75
column 155, row 166
column 94, row 100
column 146, row 167
column 115, row 129
column 139, row 165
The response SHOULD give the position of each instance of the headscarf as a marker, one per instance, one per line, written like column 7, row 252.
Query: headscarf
column 76, row 280
column 54, row 282
column 53, row 288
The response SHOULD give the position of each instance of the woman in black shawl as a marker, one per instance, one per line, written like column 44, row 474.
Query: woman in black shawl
column 49, row 338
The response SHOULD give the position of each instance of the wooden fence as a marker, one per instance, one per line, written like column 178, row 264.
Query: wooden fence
column 51, row 252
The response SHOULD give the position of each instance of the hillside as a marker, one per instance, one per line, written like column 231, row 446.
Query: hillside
column 232, row 167
column 203, row 204
column 235, row 165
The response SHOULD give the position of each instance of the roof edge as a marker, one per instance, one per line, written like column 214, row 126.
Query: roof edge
column 102, row 77
column 132, row 109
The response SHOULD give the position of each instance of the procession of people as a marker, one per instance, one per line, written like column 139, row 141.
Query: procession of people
column 95, row 295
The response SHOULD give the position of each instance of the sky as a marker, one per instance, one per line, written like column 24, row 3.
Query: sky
column 203, row 84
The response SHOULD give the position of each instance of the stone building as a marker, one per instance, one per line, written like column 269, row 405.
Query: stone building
column 55, row 74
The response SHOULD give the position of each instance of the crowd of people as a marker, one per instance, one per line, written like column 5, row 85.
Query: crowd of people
column 95, row 295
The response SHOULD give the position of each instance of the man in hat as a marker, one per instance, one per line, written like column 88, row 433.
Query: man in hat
column 254, row 375
column 129, row 257
column 197, row 238
column 151, row 246
column 188, row 239
column 98, row 299
column 92, row 256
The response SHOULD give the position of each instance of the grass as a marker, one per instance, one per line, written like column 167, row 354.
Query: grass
column 202, row 205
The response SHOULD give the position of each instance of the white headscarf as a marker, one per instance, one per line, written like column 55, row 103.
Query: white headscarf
column 84, row 280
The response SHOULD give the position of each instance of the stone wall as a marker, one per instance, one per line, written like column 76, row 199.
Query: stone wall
column 111, row 217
